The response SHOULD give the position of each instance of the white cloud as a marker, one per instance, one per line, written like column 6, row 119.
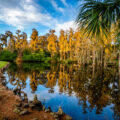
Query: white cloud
column 28, row 1
column 65, row 26
column 64, row 2
column 55, row 5
column 24, row 14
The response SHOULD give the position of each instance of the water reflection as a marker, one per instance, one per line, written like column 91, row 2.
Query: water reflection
column 91, row 93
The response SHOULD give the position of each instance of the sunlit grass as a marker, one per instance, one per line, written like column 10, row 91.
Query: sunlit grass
column 2, row 64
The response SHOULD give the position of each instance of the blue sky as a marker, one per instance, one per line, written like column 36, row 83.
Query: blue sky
column 40, row 14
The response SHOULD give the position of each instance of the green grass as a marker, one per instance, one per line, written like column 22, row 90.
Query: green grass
column 3, row 64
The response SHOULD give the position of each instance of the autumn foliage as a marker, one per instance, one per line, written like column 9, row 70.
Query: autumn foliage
column 70, row 45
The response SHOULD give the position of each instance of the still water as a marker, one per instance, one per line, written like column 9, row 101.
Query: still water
column 83, row 93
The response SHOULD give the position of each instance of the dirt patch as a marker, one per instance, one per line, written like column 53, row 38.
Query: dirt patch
column 7, row 102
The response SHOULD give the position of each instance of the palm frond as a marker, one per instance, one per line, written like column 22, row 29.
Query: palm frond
column 96, row 16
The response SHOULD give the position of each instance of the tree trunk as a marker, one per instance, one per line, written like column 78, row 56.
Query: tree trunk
column 93, row 58
column 119, row 68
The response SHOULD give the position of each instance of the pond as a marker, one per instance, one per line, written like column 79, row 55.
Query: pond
column 84, row 93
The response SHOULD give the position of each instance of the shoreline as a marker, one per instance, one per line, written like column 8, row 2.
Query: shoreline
column 5, row 66
column 12, row 107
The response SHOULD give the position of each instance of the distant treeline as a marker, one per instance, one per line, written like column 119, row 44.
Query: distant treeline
column 68, row 46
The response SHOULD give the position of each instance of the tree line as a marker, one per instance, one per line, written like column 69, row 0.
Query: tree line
column 70, row 45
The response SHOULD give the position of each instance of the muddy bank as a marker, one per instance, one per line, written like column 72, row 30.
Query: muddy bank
column 13, row 108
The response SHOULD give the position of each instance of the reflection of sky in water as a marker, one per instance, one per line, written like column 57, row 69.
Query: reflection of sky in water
column 69, row 103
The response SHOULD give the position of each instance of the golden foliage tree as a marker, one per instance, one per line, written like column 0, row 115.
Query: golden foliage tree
column 35, row 42
column 63, row 45
column 52, row 43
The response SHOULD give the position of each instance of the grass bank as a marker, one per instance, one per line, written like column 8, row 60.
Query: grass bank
column 3, row 64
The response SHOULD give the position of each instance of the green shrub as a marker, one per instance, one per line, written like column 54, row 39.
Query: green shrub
column 28, row 56
column 6, row 55
column 55, row 58
column 27, row 51
column 40, row 56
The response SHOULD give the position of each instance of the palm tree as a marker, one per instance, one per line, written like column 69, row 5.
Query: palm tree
column 97, row 16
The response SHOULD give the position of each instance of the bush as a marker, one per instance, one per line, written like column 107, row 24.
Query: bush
column 40, row 56
column 27, row 51
column 55, row 58
column 6, row 55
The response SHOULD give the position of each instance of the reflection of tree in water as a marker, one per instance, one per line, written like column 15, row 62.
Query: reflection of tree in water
column 115, row 93
column 37, row 78
column 33, row 81
column 51, row 78
column 63, row 78
column 97, row 87
column 2, row 78
column 116, row 102
column 99, row 90
column 18, row 78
